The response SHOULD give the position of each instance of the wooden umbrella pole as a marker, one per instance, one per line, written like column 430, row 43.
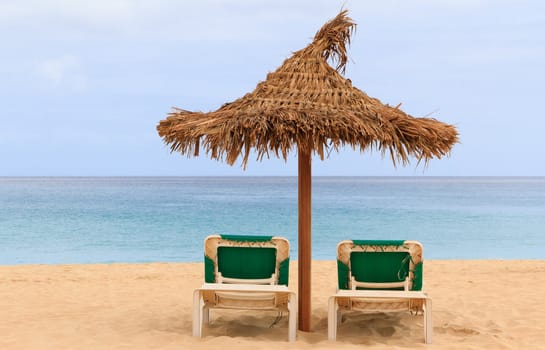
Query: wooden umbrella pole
column 304, row 244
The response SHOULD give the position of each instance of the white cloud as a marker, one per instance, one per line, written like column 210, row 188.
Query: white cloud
column 63, row 72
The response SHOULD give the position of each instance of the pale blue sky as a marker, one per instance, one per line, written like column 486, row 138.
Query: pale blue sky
column 84, row 83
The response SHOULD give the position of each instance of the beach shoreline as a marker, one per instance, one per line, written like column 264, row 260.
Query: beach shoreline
column 477, row 304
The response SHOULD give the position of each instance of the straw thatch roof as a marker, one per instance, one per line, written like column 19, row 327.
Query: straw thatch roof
column 306, row 103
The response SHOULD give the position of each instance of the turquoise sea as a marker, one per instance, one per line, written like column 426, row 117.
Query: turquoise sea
column 55, row 220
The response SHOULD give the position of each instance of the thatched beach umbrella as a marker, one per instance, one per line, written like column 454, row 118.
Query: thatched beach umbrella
column 308, row 105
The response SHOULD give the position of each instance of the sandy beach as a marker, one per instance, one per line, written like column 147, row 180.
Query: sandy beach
column 477, row 304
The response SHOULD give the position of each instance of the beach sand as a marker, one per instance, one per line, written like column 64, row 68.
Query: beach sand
column 480, row 304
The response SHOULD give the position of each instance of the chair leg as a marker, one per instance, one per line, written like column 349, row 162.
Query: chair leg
column 206, row 315
column 428, row 322
column 332, row 318
column 197, row 313
column 292, row 321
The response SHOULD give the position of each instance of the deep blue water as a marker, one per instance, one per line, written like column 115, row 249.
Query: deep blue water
column 142, row 219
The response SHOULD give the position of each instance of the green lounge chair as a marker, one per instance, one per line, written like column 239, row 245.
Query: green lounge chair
column 380, row 276
column 245, row 272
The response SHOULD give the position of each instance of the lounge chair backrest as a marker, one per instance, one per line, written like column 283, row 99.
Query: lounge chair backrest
column 389, row 265
column 246, row 259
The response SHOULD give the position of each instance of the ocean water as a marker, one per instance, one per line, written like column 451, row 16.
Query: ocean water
column 51, row 220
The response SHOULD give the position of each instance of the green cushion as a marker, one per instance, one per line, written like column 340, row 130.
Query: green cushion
column 284, row 272
column 246, row 238
column 377, row 242
column 246, row 262
column 342, row 275
column 418, row 276
column 380, row 266
column 209, row 271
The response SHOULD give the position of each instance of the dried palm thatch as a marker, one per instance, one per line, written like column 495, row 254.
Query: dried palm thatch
column 308, row 104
